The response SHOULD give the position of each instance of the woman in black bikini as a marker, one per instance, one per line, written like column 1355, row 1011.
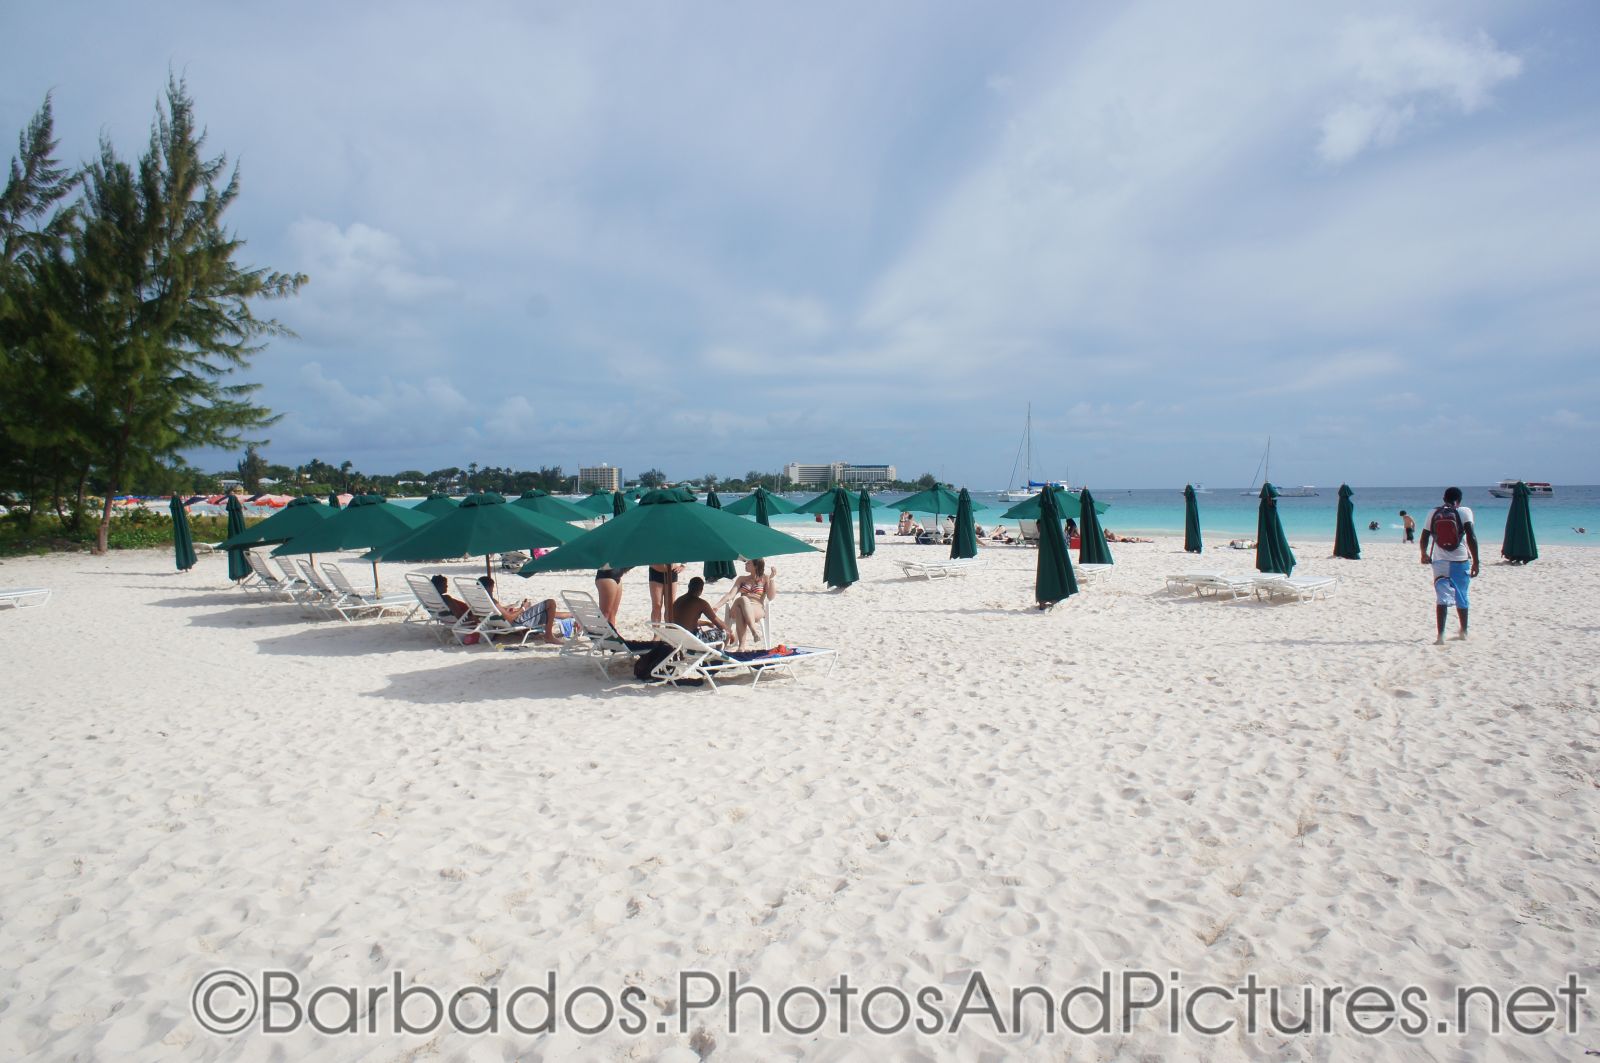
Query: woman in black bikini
column 659, row 604
column 608, row 588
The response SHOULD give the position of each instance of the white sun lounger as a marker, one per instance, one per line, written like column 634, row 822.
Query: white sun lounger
column 483, row 618
column 296, row 583
column 318, row 595
column 939, row 569
column 24, row 597
column 352, row 604
column 1212, row 585
column 1295, row 588
column 436, row 612
column 1088, row 573
column 692, row 658
column 265, row 581
column 594, row 637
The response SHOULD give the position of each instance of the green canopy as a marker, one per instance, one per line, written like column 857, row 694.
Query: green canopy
column 288, row 522
column 1092, row 547
column 716, row 570
column 547, row 504
column 368, row 521
column 1191, row 522
column 936, row 500
column 333, row 500
column 483, row 524
column 823, row 503
column 436, row 505
column 965, row 541
column 598, row 504
column 1067, row 503
column 869, row 537
column 1053, row 581
column 839, row 567
column 761, row 503
column 1272, row 546
column 1345, row 543
column 238, row 567
column 182, row 538
column 1519, row 546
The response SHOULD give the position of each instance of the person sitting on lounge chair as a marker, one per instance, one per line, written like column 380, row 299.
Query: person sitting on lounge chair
column 750, row 594
column 528, row 613
column 691, row 609
column 456, row 606
column 1000, row 535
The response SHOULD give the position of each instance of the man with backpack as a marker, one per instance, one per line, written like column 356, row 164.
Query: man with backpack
column 1449, row 532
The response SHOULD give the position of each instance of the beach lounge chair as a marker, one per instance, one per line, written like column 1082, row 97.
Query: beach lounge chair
column 352, row 604
column 265, row 581
column 1295, row 588
column 594, row 636
column 691, row 659
column 939, row 569
column 24, row 597
column 318, row 595
column 1091, row 571
column 1027, row 532
column 434, row 611
column 1222, row 586
column 483, row 618
column 295, row 582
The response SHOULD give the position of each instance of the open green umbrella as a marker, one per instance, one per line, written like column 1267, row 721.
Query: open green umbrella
column 291, row 520
column 1067, row 503
column 823, row 503
column 716, row 570
column 182, row 538
column 368, row 521
column 547, row 504
column 965, row 541
column 598, row 504
column 936, row 500
column 839, row 567
column 238, row 567
column 869, row 544
column 1092, row 546
column 482, row 524
column 1345, row 543
column 1191, row 522
column 1272, row 546
column 333, row 500
column 762, row 504
column 436, row 505
column 1053, row 581
column 1519, row 546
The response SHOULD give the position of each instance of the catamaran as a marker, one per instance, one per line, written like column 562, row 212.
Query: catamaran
column 1264, row 474
column 1536, row 489
column 1025, row 456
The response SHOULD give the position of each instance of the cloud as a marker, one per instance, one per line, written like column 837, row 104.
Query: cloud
column 359, row 259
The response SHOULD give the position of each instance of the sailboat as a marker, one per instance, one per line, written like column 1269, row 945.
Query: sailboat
column 1025, row 456
column 1264, row 474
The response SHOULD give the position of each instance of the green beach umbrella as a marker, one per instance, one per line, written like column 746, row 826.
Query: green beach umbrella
column 1067, row 502
column 182, row 538
column 1345, row 543
column 619, row 503
column 333, row 500
column 936, row 500
column 482, row 524
column 965, row 541
column 283, row 525
column 869, row 537
column 598, row 504
column 1519, row 546
column 238, row 567
column 762, row 504
column 436, row 505
column 1053, row 581
column 823, row 503
column 1272, row 546
column 368, row 521
column 839, row 567
column 547, row 504
column 1092, row 546
column 1191, row 522
column 716, row 570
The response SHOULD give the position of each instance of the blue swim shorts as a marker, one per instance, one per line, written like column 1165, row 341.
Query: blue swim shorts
column 1450, row 581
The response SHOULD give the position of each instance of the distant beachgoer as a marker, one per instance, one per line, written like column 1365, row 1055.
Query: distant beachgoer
column 750, row 594
column 1411, row 526
column 658, row 589
column 608, row 589
column 999, row 535
column 457, row 607
column 1372, row 525
column 1581, row 531
column 1450, row 533
column 690, row 609
column 906, row 521
column 528, row 613
column 1113, row 537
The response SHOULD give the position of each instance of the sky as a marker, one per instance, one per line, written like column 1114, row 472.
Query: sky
column 722, row 237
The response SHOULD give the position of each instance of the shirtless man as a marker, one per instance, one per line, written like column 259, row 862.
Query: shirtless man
column 690, row 609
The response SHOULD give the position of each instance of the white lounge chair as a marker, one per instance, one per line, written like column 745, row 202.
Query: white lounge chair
column 296, row 582
column 1027, row 532
column 24, row 597
column 939, row 569
column 483, row 617
column 594, row 636
column 435, row 611
column 266, row 582
column 1088, row 572
column 352, row 604
column 690, row 659
column 318, row 595
column 1183, row 582
column 1295, row 588
column 1222, row 586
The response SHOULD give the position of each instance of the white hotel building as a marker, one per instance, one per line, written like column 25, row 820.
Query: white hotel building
column 838, row 472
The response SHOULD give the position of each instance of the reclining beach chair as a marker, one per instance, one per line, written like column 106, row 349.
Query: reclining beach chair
column 1295, row 588
column 24, row 597
column 1183, row 582
column 1027, row 532
column 691, row 658
column 1088, row 572
column 318, row 595
column 483, row 618
column 293, row 580
column 435, row 611
column 594, row 637
column 1222, row 586
column 352, row 604
column 939, row 569
column 265, row 582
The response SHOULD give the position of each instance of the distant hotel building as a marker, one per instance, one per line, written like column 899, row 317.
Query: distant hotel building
column 599, row 478
column 838, row 473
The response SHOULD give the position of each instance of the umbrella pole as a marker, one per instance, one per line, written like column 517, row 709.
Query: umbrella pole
column 375, row 591
column 488, row 569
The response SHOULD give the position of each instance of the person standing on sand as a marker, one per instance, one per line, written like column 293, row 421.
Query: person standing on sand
column 1411, row 526
column 1450, row 533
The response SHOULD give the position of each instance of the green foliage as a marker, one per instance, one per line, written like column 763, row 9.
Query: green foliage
column 130, row 530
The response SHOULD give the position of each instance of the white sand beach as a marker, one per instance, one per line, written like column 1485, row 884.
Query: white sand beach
column 1310, row 793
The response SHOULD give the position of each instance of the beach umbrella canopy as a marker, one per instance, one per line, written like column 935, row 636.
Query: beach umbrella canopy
column 1272, row 546
column 285, row 524
column 1191, row 521
column 823, row 503
column 1519, row 546
column 936, row 500
column 1053, row 580
column 965, row 541
column 333, row 499
column 238, row 567
column 761, row 503
column 839, row 567
column 1345, row 543
column 1092, row 546
column 716, row 570
column 547, row 504
column 436, row 505
column 597, row 504
column 182, row 538
column 482, row 524
column 368, row 521
column 869, row 544
column 1067, row 503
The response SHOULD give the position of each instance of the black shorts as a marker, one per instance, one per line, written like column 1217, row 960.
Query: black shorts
column 657, row 577
column 612, row 574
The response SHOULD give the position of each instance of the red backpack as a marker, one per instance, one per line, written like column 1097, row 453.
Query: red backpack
column 1445, row 524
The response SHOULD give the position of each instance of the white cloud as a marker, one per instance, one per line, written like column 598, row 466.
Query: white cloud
column 361, row 259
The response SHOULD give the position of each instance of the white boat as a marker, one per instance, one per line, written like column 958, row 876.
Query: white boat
column 1030, row 486
column 1536, row 489
column 1264, row 475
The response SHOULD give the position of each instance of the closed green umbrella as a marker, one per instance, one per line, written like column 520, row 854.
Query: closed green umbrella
column 291, row 520
column 869, row 537
column 1053, row 581
column 1067, row 502
column 839, row 567
column 716, row 570
column 1519, row 546
column 1345, row 543
column 1272, row 546
column 483, row 524
column 965, row 541
column 333, row 500
column 367, row 522
column 619, row 503
column 436, row 505
column 1191, row 521
column 762, row 504
column 182, row 538
column 1092, row 546
column 238, row 567
column 547, row 504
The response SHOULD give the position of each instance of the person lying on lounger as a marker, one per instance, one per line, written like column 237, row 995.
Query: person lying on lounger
column 528, row 613
column 1113, row 537
column 690, row 609
column 456, row 606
